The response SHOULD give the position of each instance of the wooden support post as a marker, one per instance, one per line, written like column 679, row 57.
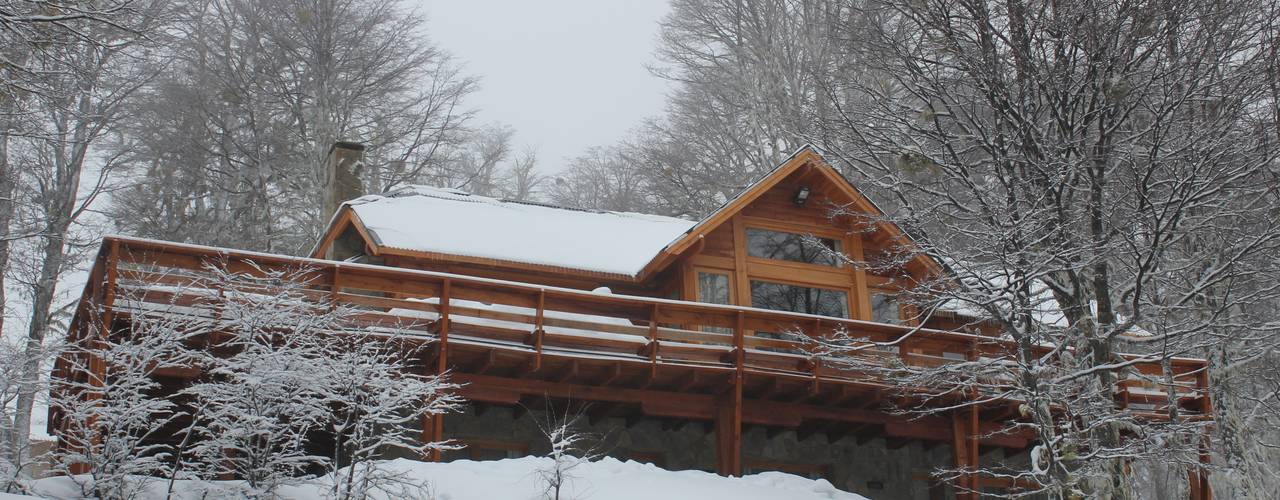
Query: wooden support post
column 653, row 343
column 538, row 332
column 729, row 412
column 815, row 385
column 335, row 287
column 1200, row 487
column 964, row 446
column 1205, row 491
column 433, row 426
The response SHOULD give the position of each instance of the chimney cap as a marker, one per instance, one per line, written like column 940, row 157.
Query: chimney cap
column 353, row 146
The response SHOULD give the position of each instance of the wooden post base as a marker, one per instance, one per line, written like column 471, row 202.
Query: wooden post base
column 964, row 425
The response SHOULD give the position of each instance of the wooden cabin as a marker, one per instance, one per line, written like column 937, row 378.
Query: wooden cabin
column 659, row 329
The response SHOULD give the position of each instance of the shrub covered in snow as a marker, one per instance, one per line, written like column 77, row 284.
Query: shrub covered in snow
column 281, row 373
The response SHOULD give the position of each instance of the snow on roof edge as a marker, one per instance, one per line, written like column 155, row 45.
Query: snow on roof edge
column 520, row 232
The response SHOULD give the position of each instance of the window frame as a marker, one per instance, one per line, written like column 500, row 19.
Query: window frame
column 839, row 278
column 837, row 238
column 849, row 312
column 697, row 288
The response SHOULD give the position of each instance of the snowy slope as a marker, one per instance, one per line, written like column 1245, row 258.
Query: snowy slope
column 453, row 222
column 515, row 479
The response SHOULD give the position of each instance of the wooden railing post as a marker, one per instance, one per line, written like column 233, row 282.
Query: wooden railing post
column 1200, row 487
column 729, row 410
column 538, row 331
column 653, row 342
column 433, row 426
column 816, row 384
column 335, row 286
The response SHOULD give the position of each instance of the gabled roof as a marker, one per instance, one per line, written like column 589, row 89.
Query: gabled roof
column 421, row 221
column 448, row 222
column 806, row 156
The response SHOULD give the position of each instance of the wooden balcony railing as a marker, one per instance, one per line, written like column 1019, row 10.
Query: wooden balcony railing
column 131, row 275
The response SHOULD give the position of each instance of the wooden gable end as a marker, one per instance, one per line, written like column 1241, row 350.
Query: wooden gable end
column 719, row 249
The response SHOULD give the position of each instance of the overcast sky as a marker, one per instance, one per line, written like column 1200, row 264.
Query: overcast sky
column 566, row 74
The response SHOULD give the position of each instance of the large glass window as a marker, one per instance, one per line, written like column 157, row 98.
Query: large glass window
column 884, row 308
column 794, row 247
column 782, row 297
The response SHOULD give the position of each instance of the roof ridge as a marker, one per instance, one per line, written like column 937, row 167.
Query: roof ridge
column 410, row 190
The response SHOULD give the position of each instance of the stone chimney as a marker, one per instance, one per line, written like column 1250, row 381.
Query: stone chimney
column 344, row 165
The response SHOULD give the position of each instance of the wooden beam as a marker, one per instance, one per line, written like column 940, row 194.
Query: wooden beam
column 658, row 403
column 433, row 425
column 729, row 412
column 964, row 448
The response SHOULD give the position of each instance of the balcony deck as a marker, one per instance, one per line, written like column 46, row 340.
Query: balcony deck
column 670, row 358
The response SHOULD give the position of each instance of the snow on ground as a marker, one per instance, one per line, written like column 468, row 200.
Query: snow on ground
column 516, row 479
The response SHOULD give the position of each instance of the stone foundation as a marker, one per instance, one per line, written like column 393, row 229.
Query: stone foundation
column 865, row 465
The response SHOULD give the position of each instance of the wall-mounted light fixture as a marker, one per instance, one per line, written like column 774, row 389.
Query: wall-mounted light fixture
column 802, row 195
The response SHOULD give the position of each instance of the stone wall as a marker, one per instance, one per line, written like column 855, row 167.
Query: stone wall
column 871, row 468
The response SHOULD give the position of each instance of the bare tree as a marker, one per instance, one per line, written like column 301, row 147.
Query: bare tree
column 230, row 146
column 602, row 178
column 569, row 448
column 91, row 65
column 34, row 30
column 13, row 475
column 1068, row 164
column 291, row 368
column 746, row 83
column 522, row 181
column 111, row 422
column 377, row 403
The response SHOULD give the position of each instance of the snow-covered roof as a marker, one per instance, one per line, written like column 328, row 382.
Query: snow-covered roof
column 1044, row 307
column 453, row 222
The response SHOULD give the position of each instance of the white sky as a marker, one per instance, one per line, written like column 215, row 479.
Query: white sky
column 566, row 74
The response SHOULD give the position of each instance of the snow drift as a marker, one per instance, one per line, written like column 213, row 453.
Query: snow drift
column 516, row 479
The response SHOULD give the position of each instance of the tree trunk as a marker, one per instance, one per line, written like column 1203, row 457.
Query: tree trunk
column 42, row 292
column 7, row 208
column 1231, row 429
